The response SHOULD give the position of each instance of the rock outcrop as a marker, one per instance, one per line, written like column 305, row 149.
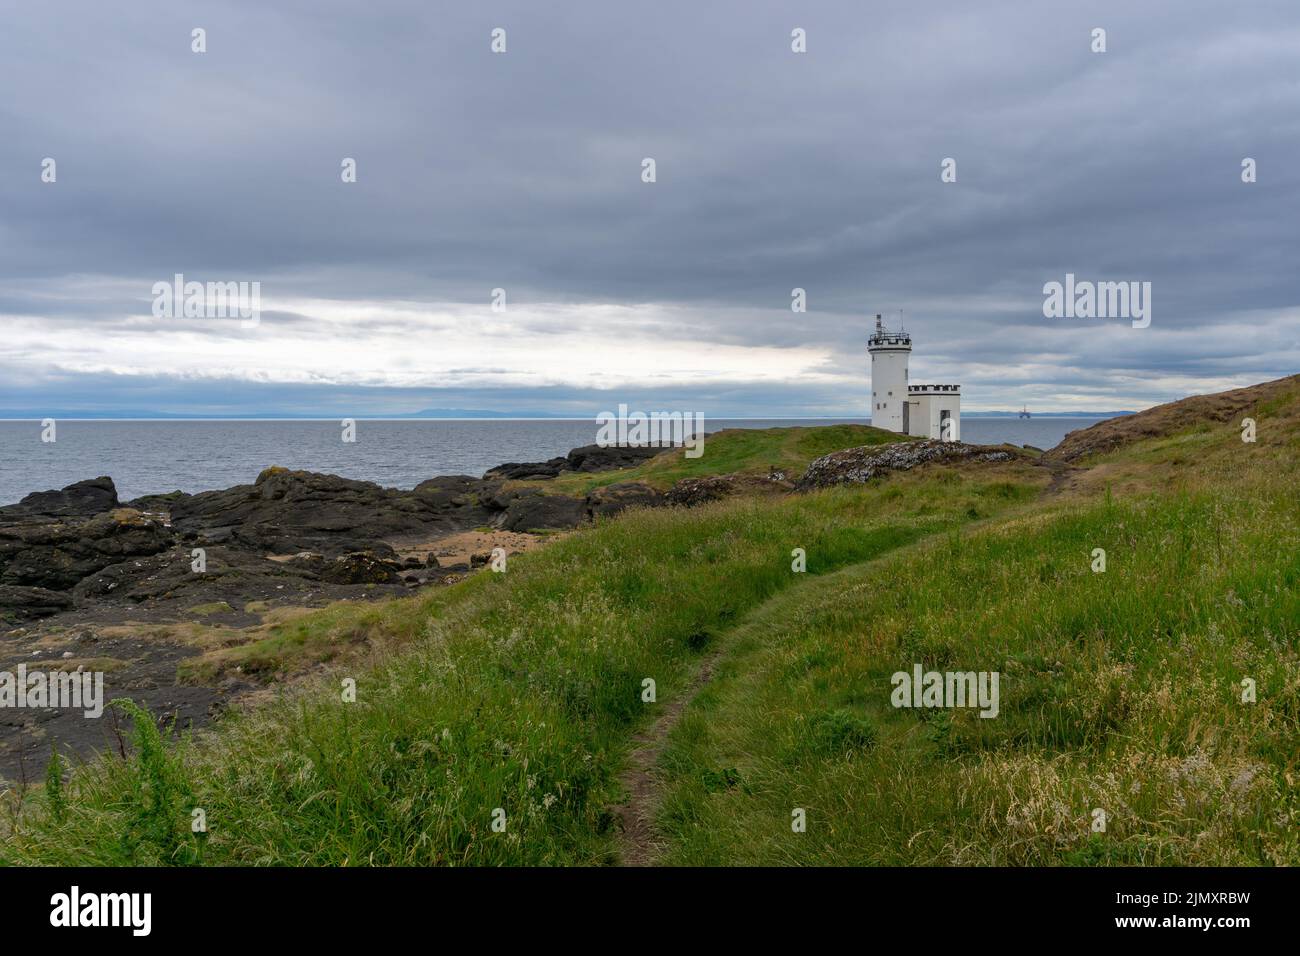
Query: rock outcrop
column 857, row 465
column 23, row 602
column 285, row 512
column 609, row 500
column 298, row 535
column 90, row 497
column 690, row 492
column 288, row 534
column 531, row 510
column 57, row 552
column 588, row 458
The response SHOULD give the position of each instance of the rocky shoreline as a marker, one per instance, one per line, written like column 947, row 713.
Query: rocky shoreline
column 288, row 530
column 91, row 582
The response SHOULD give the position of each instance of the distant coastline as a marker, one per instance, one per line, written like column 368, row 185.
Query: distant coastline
column 470, row 415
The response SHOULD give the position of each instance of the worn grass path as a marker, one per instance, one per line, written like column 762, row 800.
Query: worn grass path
column 1119, row 690
column 639, row 842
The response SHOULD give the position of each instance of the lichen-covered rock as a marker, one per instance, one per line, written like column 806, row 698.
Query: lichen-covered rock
column 611, row 499
column 857, row 465
column 696, row 491
column 362, row 568
column 56, row 553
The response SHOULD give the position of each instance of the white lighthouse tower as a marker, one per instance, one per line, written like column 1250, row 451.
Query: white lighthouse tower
column 889, row 354
column 927, row 411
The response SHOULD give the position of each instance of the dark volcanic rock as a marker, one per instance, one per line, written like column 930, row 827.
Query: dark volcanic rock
column 517, row 470
column 533, row 511
column 290, row 511
column 362, row 568
column 127, row 580
column 77, row 547
column 857, row 465
column 449, row 491
column 588, row 458
column 308, row 562
column 19, row 602
column 156, row 504
column 84, row 498
column 611, row 499
column 230, row 574
column 57, row 553
column 598, row 458
column 696, row 491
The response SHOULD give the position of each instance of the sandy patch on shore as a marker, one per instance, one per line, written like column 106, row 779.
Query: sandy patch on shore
column 458, row 548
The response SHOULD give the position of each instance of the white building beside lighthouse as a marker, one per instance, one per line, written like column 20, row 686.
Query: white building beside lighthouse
column 928, row 411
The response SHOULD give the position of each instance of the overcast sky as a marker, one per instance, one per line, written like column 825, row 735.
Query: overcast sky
column 523, row 171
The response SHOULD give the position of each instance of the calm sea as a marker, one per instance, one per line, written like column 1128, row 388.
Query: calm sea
column 151, row 457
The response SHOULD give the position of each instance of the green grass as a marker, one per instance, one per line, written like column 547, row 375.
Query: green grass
column 307, row 638
column 207, row 610
column 1120, row 691
column 745, row 451
column 517, row 691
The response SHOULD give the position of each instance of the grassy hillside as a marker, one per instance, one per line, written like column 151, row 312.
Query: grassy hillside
column 1120, row 691
column 523, row 692
column 741, row 451
column 1122, row 696
column 517, row 691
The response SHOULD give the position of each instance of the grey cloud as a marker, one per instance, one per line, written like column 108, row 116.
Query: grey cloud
column 775, row 171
